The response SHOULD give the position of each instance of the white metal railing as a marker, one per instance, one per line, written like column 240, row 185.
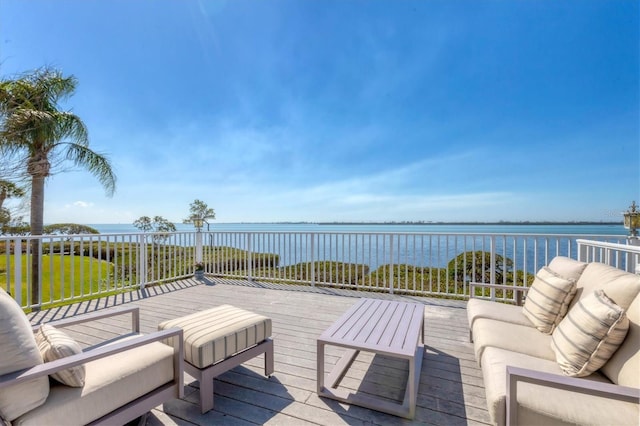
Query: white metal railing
column 409, row 263
column 622, row 256
column 73, row 267
column 76, row 267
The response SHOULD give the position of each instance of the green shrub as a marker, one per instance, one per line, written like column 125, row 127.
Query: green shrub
column 228, row 260
column 410, row 278
column 476, row 266
column 326, row 272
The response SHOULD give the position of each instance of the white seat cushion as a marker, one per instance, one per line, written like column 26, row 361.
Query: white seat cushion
column 518, row 338
column 478, row 308
column 542, row 405
column 212, row 335
column 110, row 383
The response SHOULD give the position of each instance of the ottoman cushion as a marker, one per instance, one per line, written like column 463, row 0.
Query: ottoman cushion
column 212, row 335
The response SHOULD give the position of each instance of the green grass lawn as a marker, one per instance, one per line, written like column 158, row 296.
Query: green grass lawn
column 62, row 277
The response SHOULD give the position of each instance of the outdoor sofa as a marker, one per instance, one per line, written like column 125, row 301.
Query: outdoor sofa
column 46, row 378
column 569, row 355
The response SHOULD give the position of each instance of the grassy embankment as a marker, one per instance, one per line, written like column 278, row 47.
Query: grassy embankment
column 63, row 277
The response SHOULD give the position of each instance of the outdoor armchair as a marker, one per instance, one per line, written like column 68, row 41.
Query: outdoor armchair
column 119, row 380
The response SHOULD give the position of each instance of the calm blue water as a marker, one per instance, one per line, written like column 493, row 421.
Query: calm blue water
column 449, row 229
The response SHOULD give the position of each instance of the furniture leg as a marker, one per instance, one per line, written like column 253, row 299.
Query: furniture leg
column 320, row 366
column 410, row 399
column 206, row 392
column 268, row 358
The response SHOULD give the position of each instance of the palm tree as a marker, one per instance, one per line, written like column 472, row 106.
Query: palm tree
column 31, row 123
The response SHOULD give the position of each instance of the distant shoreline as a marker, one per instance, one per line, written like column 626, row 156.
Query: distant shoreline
column 540, row 227
column 407, row 223
column 502, row 223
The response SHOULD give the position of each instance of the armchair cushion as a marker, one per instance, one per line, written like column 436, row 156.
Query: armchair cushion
column 548, row 299
column 19, row 351
column 55, row 344
column 589, row 335
column 110, row 383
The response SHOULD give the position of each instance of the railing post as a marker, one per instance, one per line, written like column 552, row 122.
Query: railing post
column 17, row 271
column 249, row 257
column 313, row 261
column 142, row 260
column 37, row 279
column 390, row 264
column 582, row 255
column 492, row 267
column 634, row 260
column 199, row 245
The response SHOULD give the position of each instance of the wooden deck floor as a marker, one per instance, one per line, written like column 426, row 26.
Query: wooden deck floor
column 450, row 392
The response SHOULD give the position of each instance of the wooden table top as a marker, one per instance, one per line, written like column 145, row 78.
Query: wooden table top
column 380, row 326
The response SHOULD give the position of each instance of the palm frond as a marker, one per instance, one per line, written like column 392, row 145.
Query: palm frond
column 71, row 126
column 97, row 164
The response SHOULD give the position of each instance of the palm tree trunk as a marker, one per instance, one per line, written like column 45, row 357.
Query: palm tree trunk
column 3, row 196
column 37, row 213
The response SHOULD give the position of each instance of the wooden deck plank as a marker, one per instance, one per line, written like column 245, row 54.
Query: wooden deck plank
column 450, row 392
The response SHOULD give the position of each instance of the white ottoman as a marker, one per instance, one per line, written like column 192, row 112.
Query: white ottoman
column 219, row 339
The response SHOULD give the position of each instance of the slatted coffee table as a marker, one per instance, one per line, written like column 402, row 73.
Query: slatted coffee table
column 394, row 329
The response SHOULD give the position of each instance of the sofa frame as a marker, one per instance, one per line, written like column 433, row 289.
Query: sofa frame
column 135, row 408
column 574, row 384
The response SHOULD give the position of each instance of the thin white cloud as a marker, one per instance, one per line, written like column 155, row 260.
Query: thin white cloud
column 82, row 204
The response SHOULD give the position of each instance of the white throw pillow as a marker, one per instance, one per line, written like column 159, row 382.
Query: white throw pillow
column 589, row 335
column 548, row 299
column 18, row 351
column 55, row 344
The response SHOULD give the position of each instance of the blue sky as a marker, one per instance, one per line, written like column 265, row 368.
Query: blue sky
column 344, row 110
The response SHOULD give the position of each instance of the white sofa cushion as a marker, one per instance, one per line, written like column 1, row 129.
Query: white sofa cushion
column 567, row 267
column 478, row 308
column 110, row 383
column 513, row 337
column 622, row 287
column 591, row 332
column 19, row 351
column 543, row 405
column 55, row 344
column 548, row 299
